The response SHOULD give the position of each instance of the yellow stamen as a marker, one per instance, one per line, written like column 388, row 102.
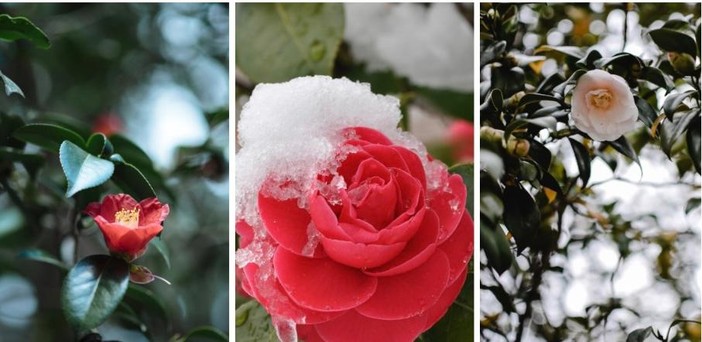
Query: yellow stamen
column 129, row 218
column 600, row 98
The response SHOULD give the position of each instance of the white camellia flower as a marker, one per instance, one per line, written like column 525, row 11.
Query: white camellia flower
column 603, row 106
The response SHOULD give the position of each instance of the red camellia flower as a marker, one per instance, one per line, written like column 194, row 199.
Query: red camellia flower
column 460, row 136
column 377, row 252
column 128, row 226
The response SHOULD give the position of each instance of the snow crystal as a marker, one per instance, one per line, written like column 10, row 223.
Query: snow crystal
column 290, row 131
column 431, row 46
column 286, row 329
column 312, row 240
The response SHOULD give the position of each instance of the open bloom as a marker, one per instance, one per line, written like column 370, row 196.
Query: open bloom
column 603, row 106
column 378, row 250
column 126, row 225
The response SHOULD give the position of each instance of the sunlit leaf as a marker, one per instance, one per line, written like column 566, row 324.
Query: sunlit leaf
column 10, row 86
column 82, row 169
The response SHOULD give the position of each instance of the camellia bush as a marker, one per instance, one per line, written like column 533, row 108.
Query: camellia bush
column 89, row 220
column 590, row 172
column 350, row 227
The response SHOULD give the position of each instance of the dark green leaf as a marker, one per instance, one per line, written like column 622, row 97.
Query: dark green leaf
column 457, row 323
column 572, row 80
column 493, row 102
column 535, row 98
column 47, row 136
column 521, row 216
column 491, row 52
column 454, row 103
column 639, row 335
column 588, row 62
column 694, row 145
column 496, row 247
column 216, row 117
column 10, row 86
column 548, row 181
column 205, row 333
column 466, row 173
column 8, row 125
column 92, row 290
column 14, row 28
column 130, row 152
column 622, row 59
column 98, row 145
column 31, row 162
column 646, row 113
column 671, row 132
column 128, row 178
column 622, row 146
column 692, row 204
column 540, row 154
column 277, row 42
column 546, row 87
column 143, row 297
column 508, row 80
column 673, row 101
column 674, row 41
column 582, row 157
column 657, row 77
column 41, row 256
column 162, row 249
column 83, row 170
column 253, row 324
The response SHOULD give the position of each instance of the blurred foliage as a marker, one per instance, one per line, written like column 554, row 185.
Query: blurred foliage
column 535, row 214
column 96, row 62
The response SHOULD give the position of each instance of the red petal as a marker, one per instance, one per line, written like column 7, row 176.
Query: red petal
column 368, row 135
column 353, row 327
column 459, row 247
column 322, row 284
column 350, row 164
column 286, row 223
column 449, row 206
column 131, row 241
column 387, row 155
column 408, row 294
column 361, row 255
column 324, row 219
column 414, row 164
column 152, row 211
column 114, row 203
column 246, row 233
column 404, row 231
column 439, row 309
column 308, row 333
column 417, row 251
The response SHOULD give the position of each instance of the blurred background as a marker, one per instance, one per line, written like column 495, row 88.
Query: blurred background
column 630, row 257
column 157, row 75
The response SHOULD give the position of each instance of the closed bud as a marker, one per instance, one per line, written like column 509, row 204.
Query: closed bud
column 682, row 62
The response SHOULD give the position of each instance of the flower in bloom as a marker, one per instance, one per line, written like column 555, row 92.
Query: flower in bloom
column 128, row 225
column 603, row 106
column 376, row 251
column 460, row 136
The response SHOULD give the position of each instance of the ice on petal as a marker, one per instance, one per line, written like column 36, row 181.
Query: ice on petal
column 286, row 329
column 312, row 240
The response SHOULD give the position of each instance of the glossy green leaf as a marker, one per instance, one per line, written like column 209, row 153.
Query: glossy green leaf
column 521, row 216
column 673, row 101
column 128, row 178
column 130, row 152
column 508, row 80
column 639, row 335
column 47, row 136
column 496, row 247
column 540, row 154
column 694, row 145
column 692, row 204
column 10, row 86
column 670, row 132
column 647, row 114
column 8, row 125
column 582, row 157
column 277, row 42
column 14, row 28
column 588, row 62
column 623, row 146
column 253, row 324
column 657, row 77
column 92, row 290
column 162, row 249
column 41, row 256
column 98, row 145
column 536, row 98
column 142, row 297
column 674, row 41
column 82, row 169
column 466, row 172
column 571, row 51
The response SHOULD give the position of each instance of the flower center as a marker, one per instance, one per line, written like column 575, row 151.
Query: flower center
column 129, row 218
column 600, row 98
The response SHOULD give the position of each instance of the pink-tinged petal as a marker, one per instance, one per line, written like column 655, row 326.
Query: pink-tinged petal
column 404, row 231
column 152, row 211
column 408, row 294
column 286, row 223
column 459, row 247
column 325, row 220
column 354, row 327
column 308, row 333
column 322, row 284
column 246, row 233
column 368, row 135
column 417, row 251
column 442, row 305
column 349, row 165
column 449, row 206
column 361, row 255
column 414, row 165
column 269, row 292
